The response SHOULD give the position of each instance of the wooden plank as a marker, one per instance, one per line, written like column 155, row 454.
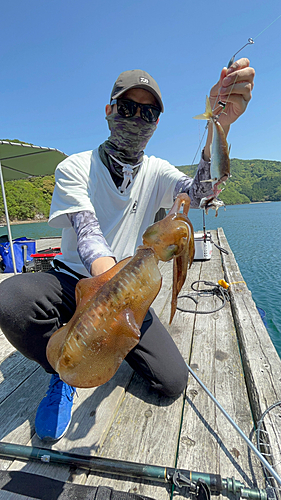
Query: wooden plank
column 164, row 296
column 208, row 443
column 145, row 431
column 6, row 349
column 93, row 412
column 6, row 495
column 14, row 370
column 18, row 411
column 261, row 362
column 147, row 425
column 199, row 415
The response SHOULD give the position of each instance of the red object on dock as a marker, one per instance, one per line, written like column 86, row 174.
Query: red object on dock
column 42, row 260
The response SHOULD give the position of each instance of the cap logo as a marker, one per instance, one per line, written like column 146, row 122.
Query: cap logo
column 144, row 80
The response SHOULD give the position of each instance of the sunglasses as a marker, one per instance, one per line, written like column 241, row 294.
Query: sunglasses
column 127, row 109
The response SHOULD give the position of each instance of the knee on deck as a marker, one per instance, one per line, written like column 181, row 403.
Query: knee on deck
column 174, row 382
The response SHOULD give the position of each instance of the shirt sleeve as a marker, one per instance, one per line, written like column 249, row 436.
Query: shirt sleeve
column 196, row 188
column 71, row 193
column 91, row 243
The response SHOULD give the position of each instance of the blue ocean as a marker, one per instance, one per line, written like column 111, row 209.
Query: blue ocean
column 254, row 235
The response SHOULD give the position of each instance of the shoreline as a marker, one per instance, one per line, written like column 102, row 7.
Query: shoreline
column 255, row 202
column 32, row 221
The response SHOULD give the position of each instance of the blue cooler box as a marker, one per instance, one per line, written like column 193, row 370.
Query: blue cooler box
column 23, row 248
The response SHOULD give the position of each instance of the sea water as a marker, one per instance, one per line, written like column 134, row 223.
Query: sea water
column 253, row 232
column 254, row 235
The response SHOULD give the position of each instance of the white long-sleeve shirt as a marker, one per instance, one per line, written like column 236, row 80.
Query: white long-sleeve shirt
column 84, row 184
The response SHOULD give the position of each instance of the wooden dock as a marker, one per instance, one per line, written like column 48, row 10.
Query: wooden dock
column 230, row 351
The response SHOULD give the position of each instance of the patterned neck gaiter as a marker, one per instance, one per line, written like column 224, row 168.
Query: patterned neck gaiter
column 128, row 139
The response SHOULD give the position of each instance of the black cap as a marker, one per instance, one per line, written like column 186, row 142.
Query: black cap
column 136, row 79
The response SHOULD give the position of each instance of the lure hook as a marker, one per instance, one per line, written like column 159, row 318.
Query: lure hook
column 250, row 42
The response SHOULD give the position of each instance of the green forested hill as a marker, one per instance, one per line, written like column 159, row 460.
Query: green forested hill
column 28, row 199
column 251, row 181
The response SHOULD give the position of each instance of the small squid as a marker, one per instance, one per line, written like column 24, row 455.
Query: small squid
column 111, row 307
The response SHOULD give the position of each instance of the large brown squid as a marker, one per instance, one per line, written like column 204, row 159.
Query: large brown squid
column 88, row 350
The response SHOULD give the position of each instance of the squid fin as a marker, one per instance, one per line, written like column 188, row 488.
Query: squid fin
column 102, row 359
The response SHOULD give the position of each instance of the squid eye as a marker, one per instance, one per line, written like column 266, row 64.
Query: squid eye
column 170, row 251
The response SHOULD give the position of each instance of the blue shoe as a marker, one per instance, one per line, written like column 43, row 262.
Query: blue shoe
column 54, row 412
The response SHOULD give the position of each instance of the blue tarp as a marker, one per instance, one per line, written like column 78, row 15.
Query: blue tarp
column 19, row 245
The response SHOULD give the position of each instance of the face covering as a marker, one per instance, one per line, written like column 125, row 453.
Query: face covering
column 128, row 139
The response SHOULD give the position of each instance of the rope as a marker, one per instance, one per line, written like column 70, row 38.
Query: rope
column 217, row 290
column 220, row 290
column 217, row 246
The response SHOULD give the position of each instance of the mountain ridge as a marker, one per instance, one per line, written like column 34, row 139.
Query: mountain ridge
column 251, row 181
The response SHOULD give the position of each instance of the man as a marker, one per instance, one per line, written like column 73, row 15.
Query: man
column 104, row 200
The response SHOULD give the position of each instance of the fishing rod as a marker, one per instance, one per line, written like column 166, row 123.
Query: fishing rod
column 250, row 42
column 248, row 442
column 200, row 484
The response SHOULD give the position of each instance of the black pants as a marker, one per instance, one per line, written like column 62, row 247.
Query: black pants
column 34, row 305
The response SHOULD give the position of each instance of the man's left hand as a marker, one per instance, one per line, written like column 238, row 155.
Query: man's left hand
column 235, row 88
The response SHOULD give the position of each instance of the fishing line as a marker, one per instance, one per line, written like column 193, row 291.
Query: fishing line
column 267, row 27
column 266, row 464
column 199, row 144
column 251, row 41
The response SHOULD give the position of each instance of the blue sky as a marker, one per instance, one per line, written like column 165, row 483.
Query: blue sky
column 60, row 58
